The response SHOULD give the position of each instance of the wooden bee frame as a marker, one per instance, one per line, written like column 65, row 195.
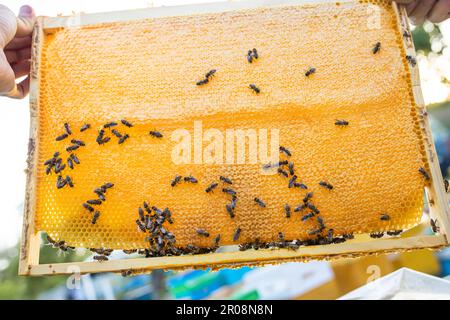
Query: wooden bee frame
column 30, row 245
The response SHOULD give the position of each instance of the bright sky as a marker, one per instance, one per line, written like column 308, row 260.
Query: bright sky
column 14, row 114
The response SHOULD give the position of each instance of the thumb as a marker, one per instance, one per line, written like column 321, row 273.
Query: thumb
column 25, row 21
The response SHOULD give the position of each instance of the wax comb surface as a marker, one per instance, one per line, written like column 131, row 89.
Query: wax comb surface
column 145, row 71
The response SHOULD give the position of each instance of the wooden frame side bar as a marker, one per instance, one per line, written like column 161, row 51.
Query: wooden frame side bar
column 436, row 195
column 30, row 243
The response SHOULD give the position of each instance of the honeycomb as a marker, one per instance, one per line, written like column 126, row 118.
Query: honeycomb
column 145, row 71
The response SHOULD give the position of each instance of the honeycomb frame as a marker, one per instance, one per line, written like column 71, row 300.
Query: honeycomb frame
column 29, row 258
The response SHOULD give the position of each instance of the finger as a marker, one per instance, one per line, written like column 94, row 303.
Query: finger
column 440, row 11
column 8, row 25
column 14, row 56
column 6, row 75
column 25, row 21
column 23, row 88
column 21, row 69
column 20, row 90
column 19, row 43
column 411, row 6
column 420, row 12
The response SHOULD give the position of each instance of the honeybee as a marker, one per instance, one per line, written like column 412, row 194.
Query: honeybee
column 300, row 207
column 394, row 232
column 74, row 158
column 307, row 216
column 292, row 181
column 217, row 240
column 376, row 48
column 110, row 124
column 61, row 137
column 285, row 151
column 202, row 82
column 190, row 179
column 100, row 258
column 211, row 187
column 310, row 71
column 249, row 56
column 313, row 208
column 330, row 235
column 308, row 196
column 116, row 133
column 95, row 217
column 156, row 134
column 100, row 194
column 287, row 210
column 78, row 142
column 60, row 182
column 385, row 217
column 107, row 185
column 84, row 127
column 260, row 202
column 282, row 172
column 94, row 202
column 291, row 168
column 230, row 210
column 67, row 127
column 126, row 123
column 176, row 180
column 326, row 185
column 69, row 181
column 254, row 88
column 376, row 235
column 140, row 225
column 434, row 225
column 300, row 185
column 225, row 179
column 229, row 191
column 72, row 147
column 237, row 234
column 210, row 73
column 88, row 207
column 70, row 163
column 255, row 53
column 202, row 232
column 424, row 173
column 411, row 60
column 123, row 138
column 341, row 122
column 126, row 273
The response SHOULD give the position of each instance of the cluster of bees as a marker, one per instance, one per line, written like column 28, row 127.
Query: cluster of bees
column 61, row 245
column 151, row 222
column 56, row 163
column 112, row 127
column 101, row 254
column 100, row 192
column 151, row 219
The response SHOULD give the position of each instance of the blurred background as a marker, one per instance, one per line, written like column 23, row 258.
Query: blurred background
column 315, row 280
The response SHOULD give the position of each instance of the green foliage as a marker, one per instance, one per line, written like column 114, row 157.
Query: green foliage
column 422, row 38
column 13, row 286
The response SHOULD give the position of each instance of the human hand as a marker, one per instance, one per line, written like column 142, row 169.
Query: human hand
column 432, row 10
column 15, row 53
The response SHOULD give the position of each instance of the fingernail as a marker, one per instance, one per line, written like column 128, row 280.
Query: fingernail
column 25, row 11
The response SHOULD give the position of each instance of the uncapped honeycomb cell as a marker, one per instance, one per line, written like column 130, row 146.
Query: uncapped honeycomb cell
column 146, row 71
